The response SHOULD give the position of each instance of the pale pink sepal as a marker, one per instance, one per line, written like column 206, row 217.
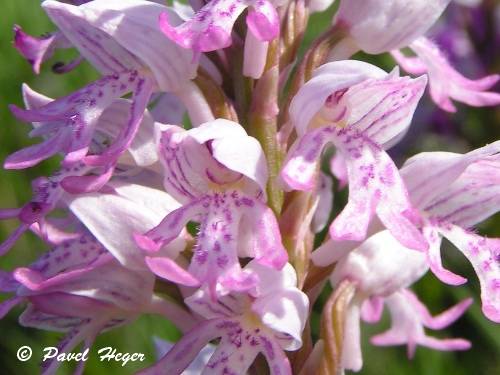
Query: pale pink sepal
column 378, row 26
column 142, row 206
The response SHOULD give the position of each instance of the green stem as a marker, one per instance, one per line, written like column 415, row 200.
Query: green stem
column 263, row 121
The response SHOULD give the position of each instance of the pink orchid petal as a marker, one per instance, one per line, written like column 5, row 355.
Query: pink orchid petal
column 472, row 197
column 263, row 21
column 52, row 232
column 7, row 282
column 237, row 280
column 68, row 305
column 327, row 80
column 483, row 254
column 62, row 263
column 408, row 327
column 272, row 281
column 140, row 99
column 301, row 167
column 142, row 148
column 33, row 99
column 412, row 65
column 379, row 26
column 429, row 174
column 184, row 167
column 383, row 108
column 7, row 244
column 32, row 155
column 210, row 29
column 197, row 159
column 168, row 109
column 47, row 193
column 66, row 345
column 325, row 203
column 243, row 155
column 134, row 26
column 446, row 344
column 215, row 256
column 95, row 45
column 32, row 317
column 278, row 362
column 266, row 244
column 441, row 320
column 204, row 305
column 434, row 258
column 230, row 359
column 381, row 266
column 446, row 83
column 8, row 305
column 34, row 50
column 9, row 213
column 254, row 56
column 170, row 227
column 162, row 347
column 375, row 186
column 34, row 280
column 284, row 312
column 332, row 251
column 186, row 349
column 168, row 269
column 339, row 169
column 86, row 184
column 78, row 113
column 372, row 309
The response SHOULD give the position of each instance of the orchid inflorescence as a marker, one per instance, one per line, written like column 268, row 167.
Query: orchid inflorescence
column 224, row 206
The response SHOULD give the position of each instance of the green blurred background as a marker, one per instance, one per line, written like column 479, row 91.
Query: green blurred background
column 472, row 128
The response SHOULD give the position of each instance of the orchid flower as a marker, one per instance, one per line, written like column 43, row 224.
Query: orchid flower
column 361, row 110
column 219, row 173
column 444, row 81
column 78, row 178
column 211, row 27
column 115, row 45
column 47, row 193
column 98, row 279
column 454, row 192
column 382, row 269
column 401, row 24
column 268, row 319
column 79, row 288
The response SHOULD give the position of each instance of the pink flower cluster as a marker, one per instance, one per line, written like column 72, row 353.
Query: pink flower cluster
column 224, row 207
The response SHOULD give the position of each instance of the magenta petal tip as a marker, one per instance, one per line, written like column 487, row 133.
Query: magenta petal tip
column 145, row 243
